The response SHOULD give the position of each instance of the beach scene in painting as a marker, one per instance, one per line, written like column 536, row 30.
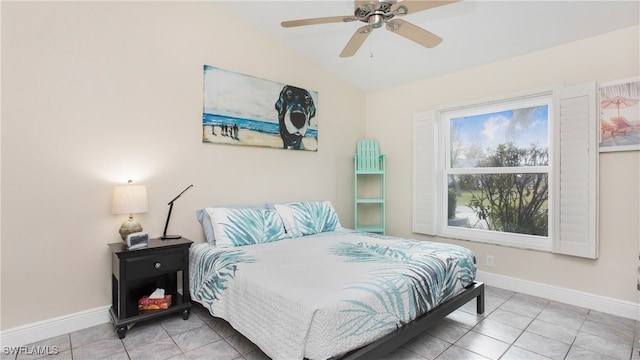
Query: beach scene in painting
column 244, row 110
column 620, row 116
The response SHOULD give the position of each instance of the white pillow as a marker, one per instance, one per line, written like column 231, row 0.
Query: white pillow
column 246, row 226
column 205, row 219
column 308, row 218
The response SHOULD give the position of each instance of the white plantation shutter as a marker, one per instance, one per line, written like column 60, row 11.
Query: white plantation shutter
column 576, row 165
column 424, row 173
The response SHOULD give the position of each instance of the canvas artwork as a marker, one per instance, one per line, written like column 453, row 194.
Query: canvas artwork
column 620, row 115
column 240, row 109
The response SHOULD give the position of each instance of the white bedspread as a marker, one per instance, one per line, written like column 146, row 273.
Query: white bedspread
column 323, row 295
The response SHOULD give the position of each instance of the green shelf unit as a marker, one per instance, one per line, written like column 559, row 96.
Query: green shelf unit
column 370, row 201
column 369, row 166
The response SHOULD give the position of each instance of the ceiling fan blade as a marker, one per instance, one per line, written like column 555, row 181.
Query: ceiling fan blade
column 356, row 41
column 414, row 6
column 320, row 20
column 414, row 33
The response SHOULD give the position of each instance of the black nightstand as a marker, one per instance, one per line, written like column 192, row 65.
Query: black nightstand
column 137, row 273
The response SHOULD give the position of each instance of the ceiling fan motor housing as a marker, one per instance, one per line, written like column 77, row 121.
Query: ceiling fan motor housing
column 377, row 13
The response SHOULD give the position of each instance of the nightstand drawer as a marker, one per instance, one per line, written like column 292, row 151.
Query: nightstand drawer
column 142, row 267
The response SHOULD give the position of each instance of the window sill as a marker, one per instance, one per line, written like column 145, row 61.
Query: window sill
column 515, row 241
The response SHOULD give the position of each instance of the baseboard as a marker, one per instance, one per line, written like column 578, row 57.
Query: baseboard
column 41, row 330
column 600, row 303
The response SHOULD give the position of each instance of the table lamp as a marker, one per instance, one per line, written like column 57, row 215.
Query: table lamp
column 129, row 199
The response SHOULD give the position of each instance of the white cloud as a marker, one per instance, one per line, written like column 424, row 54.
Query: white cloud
column 494, row 127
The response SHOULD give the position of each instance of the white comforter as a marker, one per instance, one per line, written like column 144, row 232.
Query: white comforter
column 323, row 295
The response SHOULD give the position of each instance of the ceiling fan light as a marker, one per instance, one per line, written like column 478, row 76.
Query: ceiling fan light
column 376, row 20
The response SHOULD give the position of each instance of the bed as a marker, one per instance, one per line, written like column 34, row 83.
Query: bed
column 297, row 284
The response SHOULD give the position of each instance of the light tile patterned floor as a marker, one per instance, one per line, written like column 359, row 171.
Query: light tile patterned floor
column 514, row 326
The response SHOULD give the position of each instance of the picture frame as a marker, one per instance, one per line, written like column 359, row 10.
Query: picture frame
column 240, row 109
column 619, row 106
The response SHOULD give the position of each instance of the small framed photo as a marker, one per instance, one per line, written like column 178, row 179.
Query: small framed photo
column 620, row 115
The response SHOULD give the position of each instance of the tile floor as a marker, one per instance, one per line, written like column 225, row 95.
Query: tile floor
column 514, row 326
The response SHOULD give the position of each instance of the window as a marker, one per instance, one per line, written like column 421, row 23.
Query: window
column 496, row 172
column 517, row 171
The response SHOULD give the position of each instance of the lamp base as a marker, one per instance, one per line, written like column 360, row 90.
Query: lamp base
column 129, row 227
column 170, row 237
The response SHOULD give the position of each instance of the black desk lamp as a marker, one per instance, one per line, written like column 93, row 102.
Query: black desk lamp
column 164, row 233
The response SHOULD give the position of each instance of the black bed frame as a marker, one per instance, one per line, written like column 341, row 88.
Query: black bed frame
column 396, row 339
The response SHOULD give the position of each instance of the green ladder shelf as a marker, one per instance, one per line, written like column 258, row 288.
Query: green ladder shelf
column 367, row 163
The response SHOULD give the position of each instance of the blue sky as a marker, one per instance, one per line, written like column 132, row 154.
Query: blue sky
column 521, row 126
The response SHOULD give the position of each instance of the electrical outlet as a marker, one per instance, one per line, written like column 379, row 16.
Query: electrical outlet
column 489, row 260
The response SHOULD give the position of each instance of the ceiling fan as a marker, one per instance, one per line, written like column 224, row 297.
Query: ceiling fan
column 377, row 13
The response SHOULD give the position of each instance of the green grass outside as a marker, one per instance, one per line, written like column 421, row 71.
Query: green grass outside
column 465, row 197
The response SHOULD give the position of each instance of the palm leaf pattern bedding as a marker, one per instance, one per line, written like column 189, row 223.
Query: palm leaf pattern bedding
column 414, row 278
column 247, row 226
column 216, row 268
column 308, row 218
column 321, row 295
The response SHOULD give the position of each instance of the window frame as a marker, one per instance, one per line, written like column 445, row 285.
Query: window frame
column 443, row 118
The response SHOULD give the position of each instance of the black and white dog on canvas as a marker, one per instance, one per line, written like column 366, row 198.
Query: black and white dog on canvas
column 295, row 110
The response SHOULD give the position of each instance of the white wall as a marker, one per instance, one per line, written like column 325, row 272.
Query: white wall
column 95, row 93
column 603, row 58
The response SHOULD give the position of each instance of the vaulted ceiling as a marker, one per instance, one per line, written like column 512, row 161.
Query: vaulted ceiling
column 473, row 32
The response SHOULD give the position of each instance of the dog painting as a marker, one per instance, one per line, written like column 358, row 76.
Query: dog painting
column 295, row 110
column 241, row 109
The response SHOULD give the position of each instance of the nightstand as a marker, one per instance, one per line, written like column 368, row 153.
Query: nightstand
column 137, row 273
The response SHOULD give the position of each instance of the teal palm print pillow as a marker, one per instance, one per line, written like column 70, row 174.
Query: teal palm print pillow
column 239, row 227
column 308, row 218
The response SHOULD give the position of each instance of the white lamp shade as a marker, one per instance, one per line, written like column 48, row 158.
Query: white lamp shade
column 129, row 199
